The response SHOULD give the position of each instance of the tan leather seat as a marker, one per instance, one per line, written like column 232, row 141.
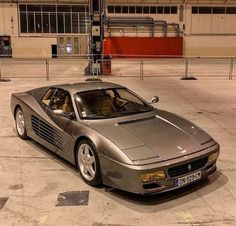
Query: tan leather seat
column 105, row 107
column 67, row 106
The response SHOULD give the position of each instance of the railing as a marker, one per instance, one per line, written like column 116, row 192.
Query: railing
column 169, row 66
column 183, row 67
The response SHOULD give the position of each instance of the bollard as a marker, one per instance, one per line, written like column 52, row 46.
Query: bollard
column 141, row 70
column 92, row 65
column 186, row 69
column 186, row 77
column 231, row 70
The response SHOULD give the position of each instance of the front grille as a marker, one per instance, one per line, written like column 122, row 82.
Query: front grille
column 187, row 167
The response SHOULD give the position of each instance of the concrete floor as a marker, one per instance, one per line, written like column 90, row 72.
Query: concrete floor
column 32, row 177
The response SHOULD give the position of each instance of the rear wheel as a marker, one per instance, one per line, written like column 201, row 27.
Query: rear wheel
column 20, row 124
column 87, row 163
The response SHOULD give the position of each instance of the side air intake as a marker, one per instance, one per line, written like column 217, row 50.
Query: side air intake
column 46, row 132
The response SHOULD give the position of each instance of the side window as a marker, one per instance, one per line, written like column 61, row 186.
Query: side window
column 62, row 101
column 48, row 96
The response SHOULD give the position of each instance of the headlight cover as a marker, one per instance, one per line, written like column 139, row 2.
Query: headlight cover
column 213, row 157
column 152, row 177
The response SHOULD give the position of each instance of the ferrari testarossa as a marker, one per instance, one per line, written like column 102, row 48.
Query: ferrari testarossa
column 115, row 137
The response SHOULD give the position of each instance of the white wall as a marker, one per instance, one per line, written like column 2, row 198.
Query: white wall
column 32, row 47
column 209, row 45
column 8, row 19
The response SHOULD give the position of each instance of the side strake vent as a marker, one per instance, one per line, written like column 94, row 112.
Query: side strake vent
column 46, row 132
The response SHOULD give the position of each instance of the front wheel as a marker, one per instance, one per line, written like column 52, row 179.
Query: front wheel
column 20, row 124
column 87, row 163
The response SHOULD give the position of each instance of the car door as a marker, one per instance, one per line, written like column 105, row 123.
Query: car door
column 60, row 128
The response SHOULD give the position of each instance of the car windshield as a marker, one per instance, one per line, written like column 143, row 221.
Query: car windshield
column 109, row 103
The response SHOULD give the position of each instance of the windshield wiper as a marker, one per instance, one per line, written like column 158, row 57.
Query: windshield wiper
column 113, row 115
column 94, row 117
column 136, row 111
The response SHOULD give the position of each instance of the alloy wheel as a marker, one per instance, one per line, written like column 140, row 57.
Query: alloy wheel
column 87, row 162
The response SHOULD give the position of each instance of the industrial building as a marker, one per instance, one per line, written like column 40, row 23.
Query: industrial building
column 43, row 29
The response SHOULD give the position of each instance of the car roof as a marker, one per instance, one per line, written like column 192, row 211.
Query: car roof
column 87, row 86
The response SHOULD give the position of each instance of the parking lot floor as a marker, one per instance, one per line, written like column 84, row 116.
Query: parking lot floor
column 32, row 179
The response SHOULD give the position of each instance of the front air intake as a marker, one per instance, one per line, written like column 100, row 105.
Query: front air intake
column 187, row 167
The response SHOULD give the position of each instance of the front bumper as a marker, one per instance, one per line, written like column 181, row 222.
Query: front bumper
column 170, row 183
column 127, row 177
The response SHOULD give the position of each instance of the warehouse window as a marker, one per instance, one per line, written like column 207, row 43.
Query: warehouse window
column 38, row 22
column 83, row 26
column 53, row 18
column 31, row 23
column 205, row 10
column 60, row 23
column 125, row 9
column 53, row 23
column 23, row 22
column 146, row 9
column 194, row 10
column 166, row 9
column 160, row 9
column 153, row 9
column 45, row 23
column 231, row 10
column 131, row 9
column 218, row 10
column 111, row 9
column 213, row 10
column 48, row 8
column 117, row 9
column 75, row 23
column 173, row 10
column 138, row 9
column 34, row 8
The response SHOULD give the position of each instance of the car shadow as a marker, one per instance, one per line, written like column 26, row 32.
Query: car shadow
column 170, row 199
column 52, row 155
column 147, row 203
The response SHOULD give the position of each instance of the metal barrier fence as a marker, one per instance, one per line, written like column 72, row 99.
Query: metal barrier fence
column 183, row 67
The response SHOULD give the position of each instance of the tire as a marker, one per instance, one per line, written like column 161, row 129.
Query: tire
column 20, row 124
column 87, row 163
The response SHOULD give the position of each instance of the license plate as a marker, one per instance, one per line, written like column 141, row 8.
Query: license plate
column 188, row 179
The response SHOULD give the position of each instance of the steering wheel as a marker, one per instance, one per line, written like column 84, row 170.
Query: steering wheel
column 123, row 104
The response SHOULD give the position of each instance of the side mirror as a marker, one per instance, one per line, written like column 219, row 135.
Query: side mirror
column 154, row 100
column 59, row 112
column 70, row 115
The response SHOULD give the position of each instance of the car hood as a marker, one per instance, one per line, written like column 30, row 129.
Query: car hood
column 158, row 134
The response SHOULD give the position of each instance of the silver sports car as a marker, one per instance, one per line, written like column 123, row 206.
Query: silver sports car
column 115, row 137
